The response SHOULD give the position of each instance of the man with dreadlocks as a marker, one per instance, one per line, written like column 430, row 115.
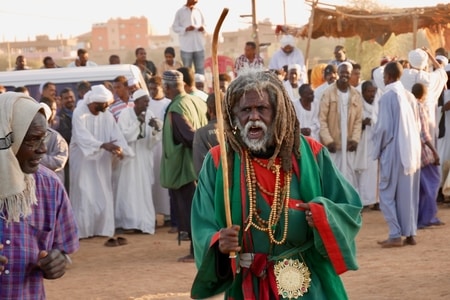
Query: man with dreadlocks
column 293, row 229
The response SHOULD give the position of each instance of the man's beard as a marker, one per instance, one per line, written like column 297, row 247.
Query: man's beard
column 254, row 145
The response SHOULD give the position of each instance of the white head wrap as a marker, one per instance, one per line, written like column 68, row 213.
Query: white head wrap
column 98, row 93
column 132, row 81
column 140, row 93
column 17, row 190
column 199, row 78
column 287, row 40
column 47, row 110
column 443, row 59
column 295, row 67
column 418, row 58
column 345, row 63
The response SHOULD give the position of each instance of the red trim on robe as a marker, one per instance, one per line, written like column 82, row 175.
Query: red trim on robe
column 215, row 153
column 214, row 239
column 315, row 145
column 328, row 238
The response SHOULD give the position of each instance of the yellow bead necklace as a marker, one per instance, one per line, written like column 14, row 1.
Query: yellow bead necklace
column 278, row 205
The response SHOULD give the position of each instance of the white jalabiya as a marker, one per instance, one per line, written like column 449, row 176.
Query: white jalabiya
column 365, row 167
column 308, row 118
column 343, row 159
column 409, row 131
column 133, row 198
column 161, row 198
column 91, row 191
column 280, row 59
column 293, row 93
column 435, row 82
column 443, row 145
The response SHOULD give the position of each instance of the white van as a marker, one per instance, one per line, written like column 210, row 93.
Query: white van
column 67, row 77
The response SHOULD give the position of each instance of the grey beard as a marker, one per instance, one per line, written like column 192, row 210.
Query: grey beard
column 255, row 145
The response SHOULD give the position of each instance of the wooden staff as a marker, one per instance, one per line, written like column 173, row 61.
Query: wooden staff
column 219, row 114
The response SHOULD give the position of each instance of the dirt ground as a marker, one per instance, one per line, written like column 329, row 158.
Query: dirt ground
column 147, row 267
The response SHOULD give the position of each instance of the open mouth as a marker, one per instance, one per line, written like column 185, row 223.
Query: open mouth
column 255, row 132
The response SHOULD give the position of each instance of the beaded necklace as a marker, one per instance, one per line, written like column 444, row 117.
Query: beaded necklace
column 279, row 205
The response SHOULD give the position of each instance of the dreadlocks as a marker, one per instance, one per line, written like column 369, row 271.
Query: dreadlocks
column 286, row 128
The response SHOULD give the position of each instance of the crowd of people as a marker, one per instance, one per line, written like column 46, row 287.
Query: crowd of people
column 306, row 153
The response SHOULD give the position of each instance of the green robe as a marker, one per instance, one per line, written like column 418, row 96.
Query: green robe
column 177, row 163
column 328, row 250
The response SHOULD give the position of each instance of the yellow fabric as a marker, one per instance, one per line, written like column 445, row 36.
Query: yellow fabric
column 317, row 75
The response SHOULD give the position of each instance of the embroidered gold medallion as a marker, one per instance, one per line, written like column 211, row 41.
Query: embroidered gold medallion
column 293, row 278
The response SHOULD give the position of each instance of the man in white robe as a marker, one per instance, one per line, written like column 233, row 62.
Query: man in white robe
column 434, row 81
column 294, row 82
column 304, row 109
column 397, row 145
column 365, row 166
column 134, row 202
column 158, row 105
column 287, row 55
column 96, row 138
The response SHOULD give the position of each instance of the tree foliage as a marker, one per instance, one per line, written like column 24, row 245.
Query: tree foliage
column 368, row 5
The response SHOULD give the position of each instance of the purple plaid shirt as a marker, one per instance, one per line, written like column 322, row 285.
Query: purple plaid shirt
column 51, row 226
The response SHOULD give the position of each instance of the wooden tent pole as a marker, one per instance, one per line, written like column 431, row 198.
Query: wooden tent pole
column 415, row 24
column 310, row 30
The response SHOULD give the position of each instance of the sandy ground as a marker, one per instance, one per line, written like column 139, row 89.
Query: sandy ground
column 147, row 267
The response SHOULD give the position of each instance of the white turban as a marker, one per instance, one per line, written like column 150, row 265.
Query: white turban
column 346, row 63
column 295, row 67
column 17, row 190
column 287, row 40
column 199, row 78
column 98, row 93
column 443, row 59
column 418, row 58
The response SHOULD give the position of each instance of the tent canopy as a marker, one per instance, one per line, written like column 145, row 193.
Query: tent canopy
column 343, row 22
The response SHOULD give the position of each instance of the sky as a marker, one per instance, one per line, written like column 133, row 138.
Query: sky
column 63, row 19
